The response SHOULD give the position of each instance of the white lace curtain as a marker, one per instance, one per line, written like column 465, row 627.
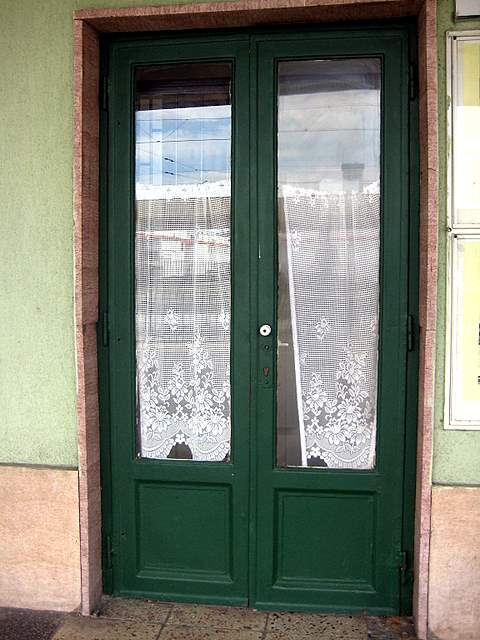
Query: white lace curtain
column 183, row 321
column 333, row 277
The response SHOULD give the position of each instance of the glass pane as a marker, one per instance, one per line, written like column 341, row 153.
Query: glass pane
column 467, row 8
column 182, row 261
column 465, row 331
column 328, row 245
column 466, row 134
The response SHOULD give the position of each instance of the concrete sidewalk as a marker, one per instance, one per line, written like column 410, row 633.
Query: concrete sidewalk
column 121, row 619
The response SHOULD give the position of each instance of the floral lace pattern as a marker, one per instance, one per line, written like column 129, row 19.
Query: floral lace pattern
column 186, row 407
column 323, row 327
column 343, row 423
column 183, row 322
column 172, row 319
column 332, row 246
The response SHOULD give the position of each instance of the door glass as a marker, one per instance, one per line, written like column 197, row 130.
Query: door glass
column 328, row 254
column 182, row 260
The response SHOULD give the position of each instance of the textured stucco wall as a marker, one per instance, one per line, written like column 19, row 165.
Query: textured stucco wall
column 37, row 384
column 456, row 458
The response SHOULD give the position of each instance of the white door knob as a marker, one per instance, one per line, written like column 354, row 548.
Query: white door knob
column 265, row 330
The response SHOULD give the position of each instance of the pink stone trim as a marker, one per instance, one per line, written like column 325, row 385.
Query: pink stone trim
column 243, row 13
column 88, row 23
column 428, row 106
column 86, row 209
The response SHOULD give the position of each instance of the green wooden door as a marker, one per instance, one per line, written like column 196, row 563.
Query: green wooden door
column 329, row 490
column 258, row 264
column 179, row 526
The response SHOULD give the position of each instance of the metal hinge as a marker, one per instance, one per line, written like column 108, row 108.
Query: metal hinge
column 105, row 331
column 405, row 571
column 412, row 81
column 410, row 333
column 104, row 93
column 109, row 551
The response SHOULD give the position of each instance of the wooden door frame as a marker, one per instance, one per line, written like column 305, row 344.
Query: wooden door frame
column 88, row 27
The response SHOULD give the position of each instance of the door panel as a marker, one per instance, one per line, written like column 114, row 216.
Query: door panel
column 180, row 488
column 247, row 468
column 330, row 536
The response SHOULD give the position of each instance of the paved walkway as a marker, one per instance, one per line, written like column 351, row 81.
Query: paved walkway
column 121, row 619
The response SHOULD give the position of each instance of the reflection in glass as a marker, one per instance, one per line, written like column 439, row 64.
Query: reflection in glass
column 328, row 253
column 182, row 261
column 466, row 133
column 465, row 331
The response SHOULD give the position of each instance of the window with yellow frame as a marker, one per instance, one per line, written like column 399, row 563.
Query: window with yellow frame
column 463, row 352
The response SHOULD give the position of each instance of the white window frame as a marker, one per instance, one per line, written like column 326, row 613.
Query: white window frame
column 455, row 231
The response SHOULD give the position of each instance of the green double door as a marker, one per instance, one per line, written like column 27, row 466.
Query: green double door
column 258, row 290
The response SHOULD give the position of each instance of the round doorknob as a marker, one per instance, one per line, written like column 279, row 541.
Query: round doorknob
column 265, row 330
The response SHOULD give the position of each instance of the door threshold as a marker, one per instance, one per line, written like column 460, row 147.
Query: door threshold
column 193, row 618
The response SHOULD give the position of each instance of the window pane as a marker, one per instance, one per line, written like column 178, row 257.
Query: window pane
column 467, row 8
column 465, row 361
column 182, row 261
column 466, row 134
column 328, row 253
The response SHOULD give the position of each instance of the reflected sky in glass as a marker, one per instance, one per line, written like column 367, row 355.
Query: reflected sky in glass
column 183, row 146
column 328, row 118
column 329, row 123
column 183, row 124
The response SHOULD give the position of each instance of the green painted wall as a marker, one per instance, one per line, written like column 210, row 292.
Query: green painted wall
column 456, row 453
column 37, row 374
column 37, row 383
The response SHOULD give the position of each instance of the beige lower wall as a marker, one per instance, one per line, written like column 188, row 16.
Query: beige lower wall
column 454, row 589
column 39, row 538
column 40, row 550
